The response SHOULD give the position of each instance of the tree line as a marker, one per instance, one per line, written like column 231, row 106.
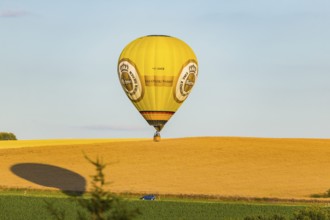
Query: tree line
column 6, row 136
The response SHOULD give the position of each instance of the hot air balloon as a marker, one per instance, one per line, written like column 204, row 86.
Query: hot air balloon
column 157, row 73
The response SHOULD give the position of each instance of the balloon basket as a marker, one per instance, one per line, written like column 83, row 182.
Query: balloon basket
column 157, row 137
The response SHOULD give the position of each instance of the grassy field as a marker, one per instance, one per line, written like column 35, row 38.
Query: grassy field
column 34, row 208
column 209, row 166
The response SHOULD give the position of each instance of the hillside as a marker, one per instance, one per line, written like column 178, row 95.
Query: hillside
column 223, row 166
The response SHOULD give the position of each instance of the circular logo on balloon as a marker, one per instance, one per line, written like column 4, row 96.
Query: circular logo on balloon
column 130, row 80
column 186, row 81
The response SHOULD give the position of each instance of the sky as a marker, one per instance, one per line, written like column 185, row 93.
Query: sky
column 264, row 67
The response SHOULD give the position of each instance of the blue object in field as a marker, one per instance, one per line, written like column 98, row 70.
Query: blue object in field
column 148, row 197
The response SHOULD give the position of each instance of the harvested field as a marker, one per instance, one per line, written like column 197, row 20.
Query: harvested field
column 213, row 166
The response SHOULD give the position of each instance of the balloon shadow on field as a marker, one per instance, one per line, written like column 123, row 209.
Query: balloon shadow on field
column 67, row 181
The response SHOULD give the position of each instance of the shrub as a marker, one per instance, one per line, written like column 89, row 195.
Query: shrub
column 314, row 213
column 322, row 195
column 101, row 205
column 311, row 213
column 274, row 217
column 5, row 136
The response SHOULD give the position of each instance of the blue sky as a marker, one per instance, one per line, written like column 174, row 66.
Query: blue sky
column 264, row 67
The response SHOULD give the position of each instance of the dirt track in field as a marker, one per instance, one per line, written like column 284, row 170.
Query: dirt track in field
column 244, row 167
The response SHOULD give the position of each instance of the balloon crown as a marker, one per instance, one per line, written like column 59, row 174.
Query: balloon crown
column 123, row 67
column 192, row 68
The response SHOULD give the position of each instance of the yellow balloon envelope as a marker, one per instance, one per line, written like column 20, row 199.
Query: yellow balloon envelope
column 157, row 73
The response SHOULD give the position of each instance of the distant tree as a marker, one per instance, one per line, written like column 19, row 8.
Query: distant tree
column 6, row 136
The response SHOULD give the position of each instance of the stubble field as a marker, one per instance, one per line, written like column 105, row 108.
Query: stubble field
column 204, row 166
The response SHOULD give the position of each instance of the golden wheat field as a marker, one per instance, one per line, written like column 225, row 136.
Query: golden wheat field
column 215, row 166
